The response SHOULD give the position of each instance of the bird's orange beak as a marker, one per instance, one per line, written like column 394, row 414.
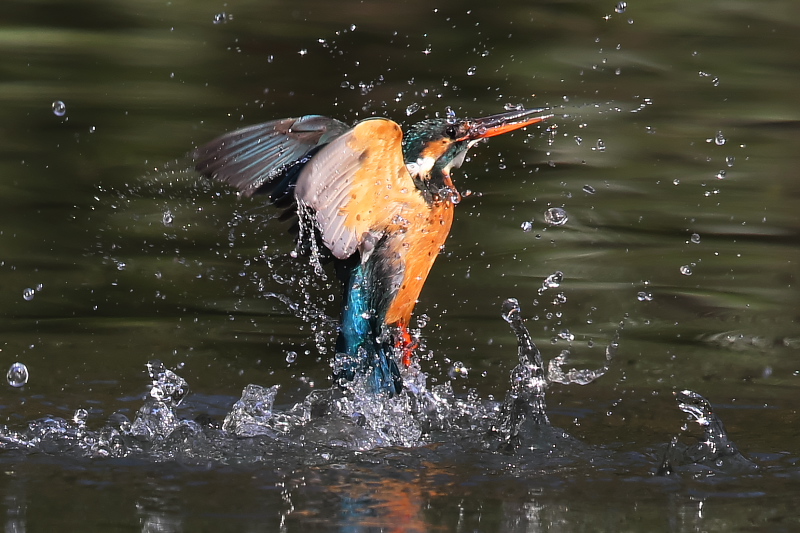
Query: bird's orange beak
column 482, row 128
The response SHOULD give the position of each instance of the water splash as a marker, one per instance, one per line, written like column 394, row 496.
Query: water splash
column 252, row 414
column 348, row 418
column 715, row 450
column 524, row 410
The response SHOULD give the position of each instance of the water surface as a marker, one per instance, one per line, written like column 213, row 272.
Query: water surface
column 673, row 154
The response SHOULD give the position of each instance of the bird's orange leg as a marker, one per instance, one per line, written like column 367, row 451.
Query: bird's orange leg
column 405, row 344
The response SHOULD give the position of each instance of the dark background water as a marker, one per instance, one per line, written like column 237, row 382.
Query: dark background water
column 138, row 258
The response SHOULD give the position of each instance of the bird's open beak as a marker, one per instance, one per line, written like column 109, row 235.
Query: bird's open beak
column 482, row 128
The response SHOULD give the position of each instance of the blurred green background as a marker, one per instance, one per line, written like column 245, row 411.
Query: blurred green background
column 673, row 153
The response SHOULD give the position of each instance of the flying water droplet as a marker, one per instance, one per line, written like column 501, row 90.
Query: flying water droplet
column 621, row 7
column 222, row 18
column 291, row 357
column 566, row 335
column 458, row 370
column 167, row 218
column 411, row 109
column 686, row 270
column 526, row 226
column 553, row 280
column 514, row 107
column 721, row 175
column 645, row 296
column 17, row 375
column 719, row 139
column 28, row 294
column 601, row 146
column 555, row 216
column 588, row 189
column 450, row 115
column 695, row 238
column 578, row 140
column 471, row 71
column 730, row 160
column 59, row 108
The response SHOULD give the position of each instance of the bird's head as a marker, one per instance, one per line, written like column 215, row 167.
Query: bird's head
column 432, row 147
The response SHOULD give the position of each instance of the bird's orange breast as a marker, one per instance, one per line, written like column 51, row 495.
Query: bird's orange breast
column 417, row 241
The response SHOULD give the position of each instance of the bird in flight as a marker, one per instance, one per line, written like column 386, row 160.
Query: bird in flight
column 380, row 202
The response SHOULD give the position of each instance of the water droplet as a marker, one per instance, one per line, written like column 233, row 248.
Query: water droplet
column 566, row 335
column 676, row 181
column 721, row 175
column 553, row 280
column 291, row 357
column 471, row 71
column 270, row 58
column 303, row 52
column 513, row 107
column 167, row 218
column 17, row 375
column 578, row 140
column 80, row 416
column 526, row 226
column 450, row 115
column 510, row 310
column 222, row 18
column 555, row 216
column 695, row 238
column 92, row 129
column 588, row 189
column 59, row 108
column 719, row 139
column 645, row 296
column 458, row 370
column 715, row 82
column 621, row 7
column 411, row 109
column 686, row 270
column 730, row 160
column 28, row 294
column 601, row 146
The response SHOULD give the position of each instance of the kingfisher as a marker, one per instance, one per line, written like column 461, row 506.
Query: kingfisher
column 379, row 202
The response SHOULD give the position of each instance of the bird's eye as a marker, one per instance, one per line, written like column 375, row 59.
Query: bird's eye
column 451, row 132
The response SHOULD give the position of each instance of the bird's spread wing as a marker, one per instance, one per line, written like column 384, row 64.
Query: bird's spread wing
column 358, row 187
column 252, row 158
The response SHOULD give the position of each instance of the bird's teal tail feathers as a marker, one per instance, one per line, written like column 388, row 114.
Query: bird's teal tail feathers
column 359, row 347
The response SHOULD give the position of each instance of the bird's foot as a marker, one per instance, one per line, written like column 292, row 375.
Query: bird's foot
column 405, row 344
